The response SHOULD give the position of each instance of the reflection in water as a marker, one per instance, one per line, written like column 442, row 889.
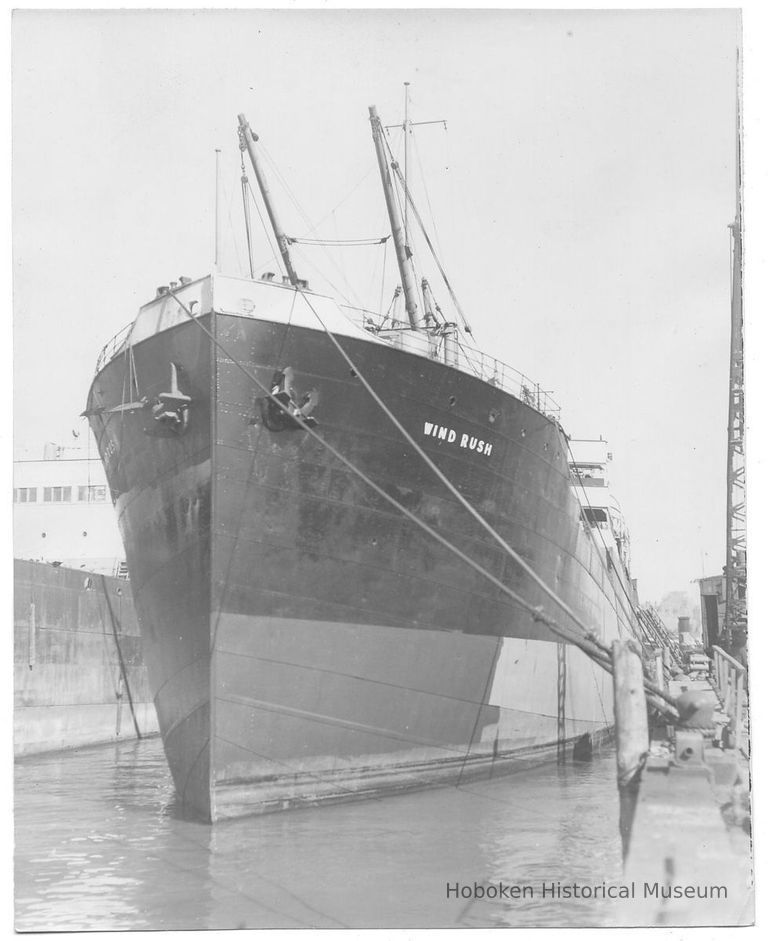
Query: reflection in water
column 99, row 845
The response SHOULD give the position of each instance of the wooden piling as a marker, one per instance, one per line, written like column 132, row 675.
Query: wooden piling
column 631, row 718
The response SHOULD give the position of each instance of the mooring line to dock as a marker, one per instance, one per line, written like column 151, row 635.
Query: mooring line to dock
column 587, row 641
column 451, row 487
column 656, row 692
column 123, row 670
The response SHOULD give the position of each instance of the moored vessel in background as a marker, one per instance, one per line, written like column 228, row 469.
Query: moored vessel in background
column 272, row 458
column 79, row 675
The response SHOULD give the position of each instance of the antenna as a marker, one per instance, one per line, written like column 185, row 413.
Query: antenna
column 406, row 131
column 407, row 126
column 216, row 217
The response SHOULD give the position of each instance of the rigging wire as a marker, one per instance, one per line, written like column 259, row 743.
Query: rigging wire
column 313, row 227
column 308, row 221
column 407, row 193
column 341, row 254
column 426, row 193
column 306, row 260
column 269, row 236
column 295, row 240
column 235, row 243
column 341, row 202
column 371, row 282
column 245, row 185
column 454, row 298
column 383, row 277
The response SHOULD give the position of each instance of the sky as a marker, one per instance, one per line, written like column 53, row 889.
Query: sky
column 581, row 195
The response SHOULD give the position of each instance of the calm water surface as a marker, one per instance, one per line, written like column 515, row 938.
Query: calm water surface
column 100, row 845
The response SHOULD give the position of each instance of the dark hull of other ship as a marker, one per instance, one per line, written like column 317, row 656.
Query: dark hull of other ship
column 305, row 641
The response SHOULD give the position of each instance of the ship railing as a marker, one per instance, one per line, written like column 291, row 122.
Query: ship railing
column 506, row 377
column 444, row 346
column 729, row 676
column 114, row 346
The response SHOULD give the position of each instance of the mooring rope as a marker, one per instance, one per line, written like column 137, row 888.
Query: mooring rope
column 123, row 670
column 587, row 641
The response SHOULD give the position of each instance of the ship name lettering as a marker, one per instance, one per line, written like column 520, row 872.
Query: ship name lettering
column 449, row 435
column 440, row 432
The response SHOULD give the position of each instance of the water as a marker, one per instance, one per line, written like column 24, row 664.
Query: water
column 100, row 846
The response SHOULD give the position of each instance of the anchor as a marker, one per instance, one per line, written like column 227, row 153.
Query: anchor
column 297, row 412
column 171, row 409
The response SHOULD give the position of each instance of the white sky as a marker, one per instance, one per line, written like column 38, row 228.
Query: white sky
column 583, row 214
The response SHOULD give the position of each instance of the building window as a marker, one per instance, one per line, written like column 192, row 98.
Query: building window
column 57, row 494
column 25, row 495
column 92, row 494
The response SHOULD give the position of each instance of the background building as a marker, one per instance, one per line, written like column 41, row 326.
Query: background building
column 63, row 513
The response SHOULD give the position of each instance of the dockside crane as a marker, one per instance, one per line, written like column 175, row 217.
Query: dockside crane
column 734, row 633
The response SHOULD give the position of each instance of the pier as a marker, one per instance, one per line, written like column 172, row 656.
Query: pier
column 686, row 807
column 80, row 677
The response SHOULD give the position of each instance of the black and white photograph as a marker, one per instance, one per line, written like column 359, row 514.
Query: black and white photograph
column 379, row 469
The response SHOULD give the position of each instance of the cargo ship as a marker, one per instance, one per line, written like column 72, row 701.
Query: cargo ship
column 327, row 522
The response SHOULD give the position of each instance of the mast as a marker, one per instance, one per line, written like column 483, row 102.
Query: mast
column 247, row 138
column 398, row 236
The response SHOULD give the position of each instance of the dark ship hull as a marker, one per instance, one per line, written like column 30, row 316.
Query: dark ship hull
column 306, row 641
